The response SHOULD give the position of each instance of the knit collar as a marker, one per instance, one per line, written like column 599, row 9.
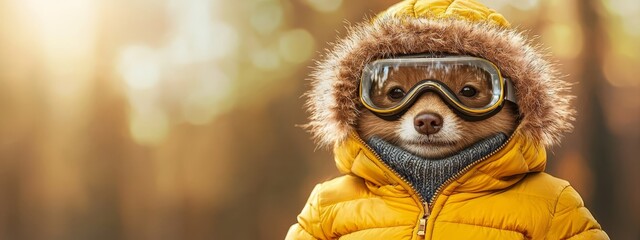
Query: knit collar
column 503, row 168
column 427, row 175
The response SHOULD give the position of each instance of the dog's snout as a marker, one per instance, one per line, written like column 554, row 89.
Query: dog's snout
column 428, row 123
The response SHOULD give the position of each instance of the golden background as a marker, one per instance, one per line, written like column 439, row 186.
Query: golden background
column 168, row 119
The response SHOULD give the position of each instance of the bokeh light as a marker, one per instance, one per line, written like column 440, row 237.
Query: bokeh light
column 629, row 11
column 140, row 67
column 266, row 17
column 296, row 46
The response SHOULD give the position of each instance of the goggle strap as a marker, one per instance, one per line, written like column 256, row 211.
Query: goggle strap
column 510, row 91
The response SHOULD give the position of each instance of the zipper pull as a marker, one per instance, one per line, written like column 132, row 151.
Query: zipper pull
column 422, row 228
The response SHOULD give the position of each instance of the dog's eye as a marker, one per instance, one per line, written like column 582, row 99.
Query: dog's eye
column 468, row 91
column 396, row 93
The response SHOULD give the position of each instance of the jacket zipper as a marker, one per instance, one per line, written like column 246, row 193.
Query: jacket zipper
column 422, row 227
column 422, row 223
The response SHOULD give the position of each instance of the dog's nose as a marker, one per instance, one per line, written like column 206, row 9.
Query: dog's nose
column 428, row 123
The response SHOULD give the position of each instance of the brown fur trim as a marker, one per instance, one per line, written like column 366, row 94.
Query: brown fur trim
column 333, row 98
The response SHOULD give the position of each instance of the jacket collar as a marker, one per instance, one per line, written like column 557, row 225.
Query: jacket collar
column 518, row 156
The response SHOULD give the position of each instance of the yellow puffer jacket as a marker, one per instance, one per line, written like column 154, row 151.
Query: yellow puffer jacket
column 502, row 196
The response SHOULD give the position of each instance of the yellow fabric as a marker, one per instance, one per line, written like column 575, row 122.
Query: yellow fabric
column 470, row 10
column 506, row 196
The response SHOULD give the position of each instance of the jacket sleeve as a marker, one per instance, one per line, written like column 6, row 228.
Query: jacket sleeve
column 296, row 232
column 572, row 220
column 309, row 220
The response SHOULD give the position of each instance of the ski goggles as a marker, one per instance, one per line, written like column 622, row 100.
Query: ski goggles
column 472, row 86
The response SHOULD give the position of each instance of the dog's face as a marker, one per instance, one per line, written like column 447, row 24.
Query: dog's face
column 429, row 128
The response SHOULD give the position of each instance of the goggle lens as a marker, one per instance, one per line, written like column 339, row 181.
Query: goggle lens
column 472, row 86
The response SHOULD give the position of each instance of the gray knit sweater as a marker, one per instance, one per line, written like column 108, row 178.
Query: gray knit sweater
column 426, row 175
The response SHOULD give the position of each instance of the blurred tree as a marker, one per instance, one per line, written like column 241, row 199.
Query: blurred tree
column 599, row 148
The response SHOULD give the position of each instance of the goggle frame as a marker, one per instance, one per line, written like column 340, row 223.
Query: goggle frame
column 507, row 91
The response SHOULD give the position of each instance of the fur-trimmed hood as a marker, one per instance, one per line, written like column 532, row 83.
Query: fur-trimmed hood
column 333, row 100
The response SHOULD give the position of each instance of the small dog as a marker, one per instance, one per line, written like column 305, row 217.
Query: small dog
column 430, row 128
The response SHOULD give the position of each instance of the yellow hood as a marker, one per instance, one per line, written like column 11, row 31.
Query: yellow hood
column 469, row 10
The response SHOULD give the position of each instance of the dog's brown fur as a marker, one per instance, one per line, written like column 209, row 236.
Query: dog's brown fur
column 456, row 133
column 333, row 102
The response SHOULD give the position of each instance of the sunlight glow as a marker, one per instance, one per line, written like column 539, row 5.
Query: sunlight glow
column 64, row 32
column 68, row 26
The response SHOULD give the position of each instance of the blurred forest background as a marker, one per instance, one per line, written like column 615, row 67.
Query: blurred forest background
column 175, row 119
